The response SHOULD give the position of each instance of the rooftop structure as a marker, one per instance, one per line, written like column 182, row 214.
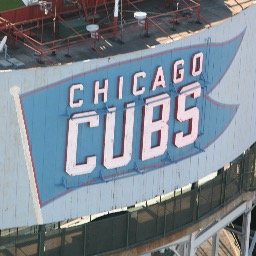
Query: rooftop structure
column 54, row 32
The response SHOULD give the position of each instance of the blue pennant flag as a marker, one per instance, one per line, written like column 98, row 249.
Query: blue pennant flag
column 50, row 112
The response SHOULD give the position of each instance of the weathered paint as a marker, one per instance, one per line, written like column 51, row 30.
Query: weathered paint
column 103, row 139
column 38, row 106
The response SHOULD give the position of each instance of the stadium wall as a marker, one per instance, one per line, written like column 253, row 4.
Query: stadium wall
column 178, row 111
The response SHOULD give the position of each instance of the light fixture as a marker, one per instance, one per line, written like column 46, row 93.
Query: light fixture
column 93, row 29
column 140, row 17
column 45, row 6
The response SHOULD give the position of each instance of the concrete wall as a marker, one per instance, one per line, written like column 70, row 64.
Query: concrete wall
column 35, row 186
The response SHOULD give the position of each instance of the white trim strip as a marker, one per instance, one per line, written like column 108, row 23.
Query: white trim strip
column 15, row 91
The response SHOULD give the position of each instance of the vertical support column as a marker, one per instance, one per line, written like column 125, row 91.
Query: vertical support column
column 164, row 218
column 186, row 249
column 41, row 240
column 194, row 202
column 62, row 239
column 215, row 244
column 252, row 244
column 246, row 230
column 146, row 28
column 95, row 10
column 198, row 14
column 115, row 16
column 85, row 239
column 127, row 230
column 192, row 248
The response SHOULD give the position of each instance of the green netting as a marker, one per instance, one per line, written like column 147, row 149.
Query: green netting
column 72, row 27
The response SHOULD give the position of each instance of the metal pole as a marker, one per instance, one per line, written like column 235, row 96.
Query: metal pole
column 121, row 14
column 192, row 248
column 252, row 244
column 41, row 240
column 127, row 231
column 215, row 244
column 246, row 232
column 84, row 233
column 193, row 200
column 62, row 241
column 5, row 52
column 164, row 218
column 115, row 16
column 42, row 32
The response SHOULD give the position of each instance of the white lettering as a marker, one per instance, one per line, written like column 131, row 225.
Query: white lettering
column 178, row 72
column 135, row 90
column 160, row 126
column 159, row 79
column 197, row 64
column 111, row 161
column 72, row 168
column 98, row 90
column 191, row 115
column 120, row 87
column 72, row 102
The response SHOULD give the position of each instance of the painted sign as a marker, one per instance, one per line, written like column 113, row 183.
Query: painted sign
column 127, row 118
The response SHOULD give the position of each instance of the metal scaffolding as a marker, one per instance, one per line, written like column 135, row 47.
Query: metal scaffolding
column 38, row 26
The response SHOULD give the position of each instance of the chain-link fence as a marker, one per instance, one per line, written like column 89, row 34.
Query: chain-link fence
column 127, row 229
